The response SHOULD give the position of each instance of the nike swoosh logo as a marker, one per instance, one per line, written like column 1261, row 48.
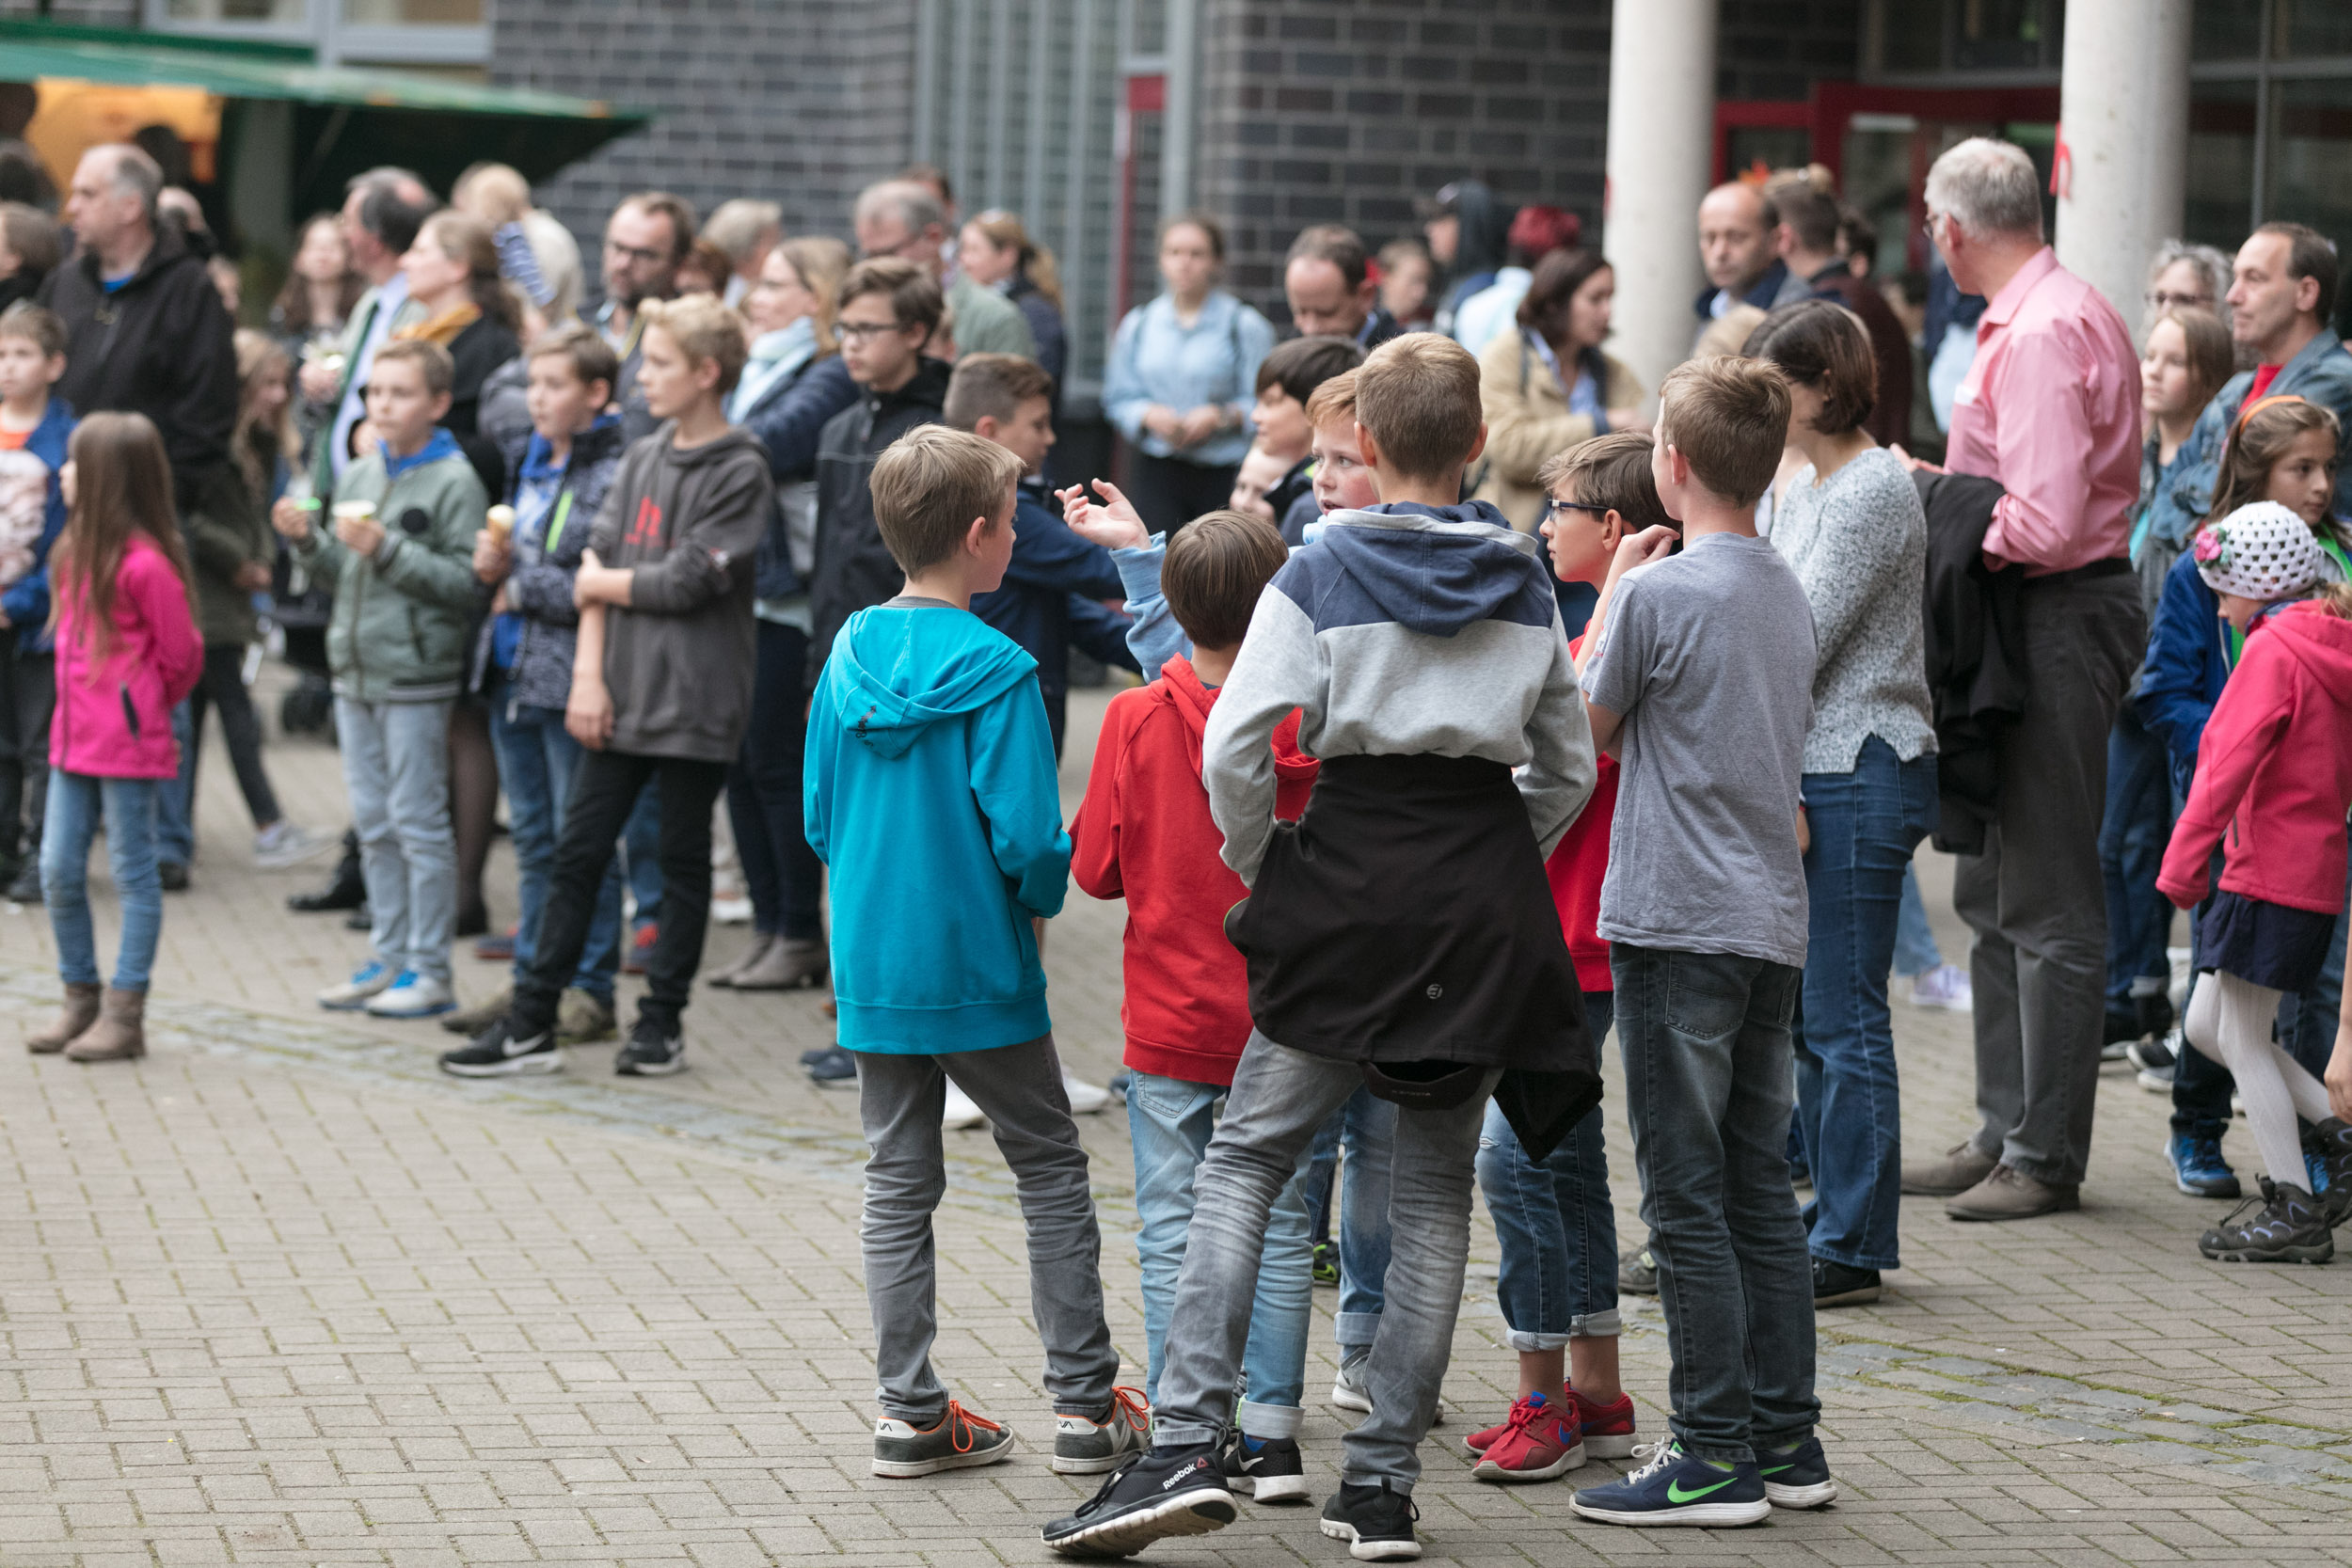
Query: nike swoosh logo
column 522, row 1048
column 1775, row 1469
column 1674, row 1493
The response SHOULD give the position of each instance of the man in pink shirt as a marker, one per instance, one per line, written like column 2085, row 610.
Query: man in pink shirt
column 2051, row 409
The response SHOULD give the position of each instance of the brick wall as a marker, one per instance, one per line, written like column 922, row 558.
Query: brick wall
column 1343, row 110
column 803, row 102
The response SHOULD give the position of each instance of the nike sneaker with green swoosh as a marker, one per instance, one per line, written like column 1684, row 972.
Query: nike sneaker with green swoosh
column 1797, row 1475
column 1673, row 1487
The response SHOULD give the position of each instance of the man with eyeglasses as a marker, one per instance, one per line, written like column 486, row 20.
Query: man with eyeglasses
column 900, row 218
column 645, row 239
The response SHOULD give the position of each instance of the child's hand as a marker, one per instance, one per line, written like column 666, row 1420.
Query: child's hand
column 1654, row 543
column 492, row 560
column 361, row 535
column 1116, row 527
column 1804, row 833
column 289, row 519
column 1628, row 419
column 2340, row 1071
column 589, row 714
column 1911, row 463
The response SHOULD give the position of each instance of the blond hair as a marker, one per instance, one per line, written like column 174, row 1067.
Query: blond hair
column 1729, row 418
column 705, row 331
column 431, row 362
column 930, row 483
column 820, row 262
column 1333, row 400
column 1418, row 395
column 1005, row 232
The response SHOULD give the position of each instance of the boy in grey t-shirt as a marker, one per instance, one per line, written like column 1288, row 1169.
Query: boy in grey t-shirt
column 1700, row 675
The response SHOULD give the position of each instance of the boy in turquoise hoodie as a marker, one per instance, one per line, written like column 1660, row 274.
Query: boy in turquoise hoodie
column 931, row 792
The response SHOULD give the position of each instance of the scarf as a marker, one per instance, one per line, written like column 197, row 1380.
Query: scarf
column 775, row 358
column 442, row 329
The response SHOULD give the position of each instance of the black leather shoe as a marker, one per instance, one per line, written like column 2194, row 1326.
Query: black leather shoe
column 345, row 890
column 1843, row 1285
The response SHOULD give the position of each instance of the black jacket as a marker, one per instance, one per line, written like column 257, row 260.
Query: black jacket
column 1976, row 647
column 791, row 418
column 481, row 350
column 853, row 570
column 161, row 345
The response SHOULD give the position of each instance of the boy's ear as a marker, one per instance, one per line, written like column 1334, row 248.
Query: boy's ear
column 1370, row 448
column 1477, row 447
column 1613, row 526
column 440, row 406
column 986, row 427
column 599, row 393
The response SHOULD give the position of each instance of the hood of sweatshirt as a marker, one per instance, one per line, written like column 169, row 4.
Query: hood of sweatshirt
column 2321, row 642
column 1192, row 700
column 1429, row 570
column 735, row 438
column 895, row 672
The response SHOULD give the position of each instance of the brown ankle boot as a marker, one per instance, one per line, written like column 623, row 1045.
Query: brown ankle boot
column 120, row 1032
column 78, row 1013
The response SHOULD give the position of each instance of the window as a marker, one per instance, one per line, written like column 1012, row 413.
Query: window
column 414, row 13
column 284, row 12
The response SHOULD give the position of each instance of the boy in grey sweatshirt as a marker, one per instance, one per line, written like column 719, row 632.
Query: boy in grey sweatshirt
column 1400, row 936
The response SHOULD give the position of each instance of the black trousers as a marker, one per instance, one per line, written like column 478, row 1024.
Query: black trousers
column 29, row 694
column 1169, row 492
column 604, row 791
column 223, row 688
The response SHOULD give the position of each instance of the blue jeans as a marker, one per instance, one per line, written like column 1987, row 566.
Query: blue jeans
column 1865, row 824
column 175, row 798
column 396, row 770
column 1707, row 1083
column 1557, row 1227
column 1279, row 1096
column 640, row 844
column 1367, row 1125
column 1171, row 1121
column 537, row 757
column 2132, row 838
column 1915, row 952
column 76, row 801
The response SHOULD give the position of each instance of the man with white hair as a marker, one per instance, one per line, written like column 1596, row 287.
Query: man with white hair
column 898, row 217
column 747, row 230
column 145, row 332
column 2050, row 408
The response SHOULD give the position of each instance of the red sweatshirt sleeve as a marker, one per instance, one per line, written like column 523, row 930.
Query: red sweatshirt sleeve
column 2247, row 723
column 1094, row 835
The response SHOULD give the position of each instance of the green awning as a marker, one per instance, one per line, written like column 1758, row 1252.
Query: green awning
column 346, row 118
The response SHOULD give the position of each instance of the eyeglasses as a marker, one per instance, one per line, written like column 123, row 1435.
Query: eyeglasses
column 2160, row 299
column 638, row 253
column 857, row 332
column 1554, row 508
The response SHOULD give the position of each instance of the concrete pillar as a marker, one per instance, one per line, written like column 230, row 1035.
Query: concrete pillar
column 1179, row 117
column 1662, row 129
column 2123, row 115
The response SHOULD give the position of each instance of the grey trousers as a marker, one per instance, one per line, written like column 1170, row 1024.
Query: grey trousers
column 1280, row 1098
column 2036, row 898
column 901, row 1100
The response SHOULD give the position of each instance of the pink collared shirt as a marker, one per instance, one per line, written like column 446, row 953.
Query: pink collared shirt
column 2051, row 409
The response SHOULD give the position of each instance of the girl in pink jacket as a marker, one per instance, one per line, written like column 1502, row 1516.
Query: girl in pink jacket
column 128, row 651
column 2274, row 779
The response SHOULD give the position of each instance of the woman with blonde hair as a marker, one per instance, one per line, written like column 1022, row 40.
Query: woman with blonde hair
column 792, row 384
column 469, row 309
column 995, row 248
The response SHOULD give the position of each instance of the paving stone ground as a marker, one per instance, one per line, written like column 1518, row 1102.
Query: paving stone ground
column 282, row 1295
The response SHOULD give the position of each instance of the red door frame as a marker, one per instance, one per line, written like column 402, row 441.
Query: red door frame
column 1145, row 95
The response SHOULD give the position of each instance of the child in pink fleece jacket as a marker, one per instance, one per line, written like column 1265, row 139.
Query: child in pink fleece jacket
column 128, row 652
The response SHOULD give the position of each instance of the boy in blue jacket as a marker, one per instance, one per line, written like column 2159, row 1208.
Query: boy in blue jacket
column 930, row 794
column 34, row 430
column 1009, row 401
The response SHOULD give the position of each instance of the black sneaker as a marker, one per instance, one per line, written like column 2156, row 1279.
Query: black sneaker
column 25, row 889
column 1327, row 1263
column 1843, row 1285
column 2151, row 1054
column 1375, row 1521
column 831, row 1068
column 495, row 1052
column 1166, row 1492
column 652, row 1051
column 2289, row 1227
column 1637, row 1272
column 1273, row 1466
column 173, row 875
column 2331, row 1141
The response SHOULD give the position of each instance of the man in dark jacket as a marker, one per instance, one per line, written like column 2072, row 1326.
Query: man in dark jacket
column 145, row 332
column 889, row 308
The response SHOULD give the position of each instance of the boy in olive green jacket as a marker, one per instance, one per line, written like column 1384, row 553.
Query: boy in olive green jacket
column 400, row 558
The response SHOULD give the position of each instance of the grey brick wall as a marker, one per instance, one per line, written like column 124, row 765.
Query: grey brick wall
column 803, row 102
column 1343, row 110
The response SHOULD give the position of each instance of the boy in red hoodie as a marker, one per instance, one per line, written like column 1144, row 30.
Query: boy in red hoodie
column 1144, row 833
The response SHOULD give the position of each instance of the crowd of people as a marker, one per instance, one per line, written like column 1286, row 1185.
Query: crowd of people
column 1488, row 702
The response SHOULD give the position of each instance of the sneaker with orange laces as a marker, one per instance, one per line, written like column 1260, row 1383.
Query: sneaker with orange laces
column 1086, row 1447
column 1608, row 1429
column 1540, row 1442
column 959, row 1441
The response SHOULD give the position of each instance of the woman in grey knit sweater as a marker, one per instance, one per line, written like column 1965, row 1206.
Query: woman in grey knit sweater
column 1851, row 528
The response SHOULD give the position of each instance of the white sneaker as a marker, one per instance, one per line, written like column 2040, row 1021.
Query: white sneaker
column 731, row 912
column 368, row 980
column 961, row 1113
column 1084, row 1097
column 1945, row 986
column 412, row 995
column 283, row 844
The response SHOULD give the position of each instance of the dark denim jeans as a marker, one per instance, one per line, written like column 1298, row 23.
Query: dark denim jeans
column 2307, row 1027
column 1708, row 1076
column 2132, row 839
column 1555, row 1222
column 1367, row 1125
column 1865, row 824
column 537, row 758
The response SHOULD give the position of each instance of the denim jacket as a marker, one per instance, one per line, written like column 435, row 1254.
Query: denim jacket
column 2321, row 373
